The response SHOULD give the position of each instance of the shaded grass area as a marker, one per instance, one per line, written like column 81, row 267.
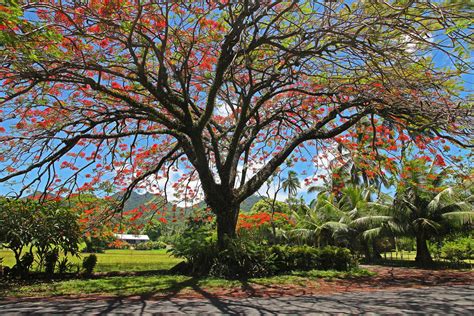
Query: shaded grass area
column 117, row 260
column 167, row 285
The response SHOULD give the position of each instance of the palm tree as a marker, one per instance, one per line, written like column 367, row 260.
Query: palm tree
column 425, row 216
column 422, row 208
column 329, row 220
column 291, row 184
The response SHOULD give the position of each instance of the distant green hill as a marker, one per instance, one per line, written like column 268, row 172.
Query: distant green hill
column 136, row 200
column 249, row 202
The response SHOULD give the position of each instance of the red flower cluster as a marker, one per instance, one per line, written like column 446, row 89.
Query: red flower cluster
column 256, row 220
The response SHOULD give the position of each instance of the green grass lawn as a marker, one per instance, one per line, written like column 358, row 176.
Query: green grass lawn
column 145, row 260
column 117, row 260
column 410, row 256
column 161, row 284
column 401, row 255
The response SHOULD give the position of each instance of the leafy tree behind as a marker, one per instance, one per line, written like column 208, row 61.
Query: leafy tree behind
column 38, row 228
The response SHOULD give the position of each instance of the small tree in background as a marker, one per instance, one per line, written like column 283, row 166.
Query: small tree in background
column 425, row 207
column 38, row 227
column 17, row 225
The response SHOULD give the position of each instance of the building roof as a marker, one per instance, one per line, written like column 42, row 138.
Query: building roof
column 132, row 237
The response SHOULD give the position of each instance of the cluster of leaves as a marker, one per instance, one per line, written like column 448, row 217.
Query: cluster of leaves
column 244, row 257
column 268, row 205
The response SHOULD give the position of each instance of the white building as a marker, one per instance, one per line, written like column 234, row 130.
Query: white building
column 132, row 239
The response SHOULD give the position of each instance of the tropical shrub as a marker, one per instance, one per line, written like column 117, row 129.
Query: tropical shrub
column 293, row 258
column 16, row 226
column 22, row 267
column 89, row 263
column 334, row 258
column 242, row 259
column 198, row 247
column 458, row 249
column 50, row 260
column 65, row 266
column 119, row 244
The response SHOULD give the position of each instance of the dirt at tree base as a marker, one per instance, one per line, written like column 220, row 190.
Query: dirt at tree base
column 386, row 278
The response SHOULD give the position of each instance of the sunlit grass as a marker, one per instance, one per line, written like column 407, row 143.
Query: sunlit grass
column 117, row 260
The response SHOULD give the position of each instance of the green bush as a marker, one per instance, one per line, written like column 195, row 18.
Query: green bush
column 65, row 266
column 150, row 245
column 241, row 259
column 303, row 258
column 88, row 264
column 458, row 249
column 22, row 267
column 50, row 260
column 335, row 258
column 198, row 247
column 244, row 258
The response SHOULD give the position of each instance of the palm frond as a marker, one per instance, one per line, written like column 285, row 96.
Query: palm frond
column 368, row 221
column 372, row 233
column 334, row 226
column 466, row 217
column 456, row 207
column 442, row 198
column 380, row 208
column 426, row 224
column 397, row 228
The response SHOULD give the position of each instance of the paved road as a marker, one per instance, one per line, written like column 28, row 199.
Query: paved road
column 434, row 300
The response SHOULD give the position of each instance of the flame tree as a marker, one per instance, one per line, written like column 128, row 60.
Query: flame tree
column 220, row 92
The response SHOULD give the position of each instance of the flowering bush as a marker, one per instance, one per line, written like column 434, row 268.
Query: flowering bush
column 119, row 244
column 262, row 219
column 262, row 225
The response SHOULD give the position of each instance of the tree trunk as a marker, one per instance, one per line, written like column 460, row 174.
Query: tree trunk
column 423, row 256
column 376, row 253
column 226, row 225
column 365, row 247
